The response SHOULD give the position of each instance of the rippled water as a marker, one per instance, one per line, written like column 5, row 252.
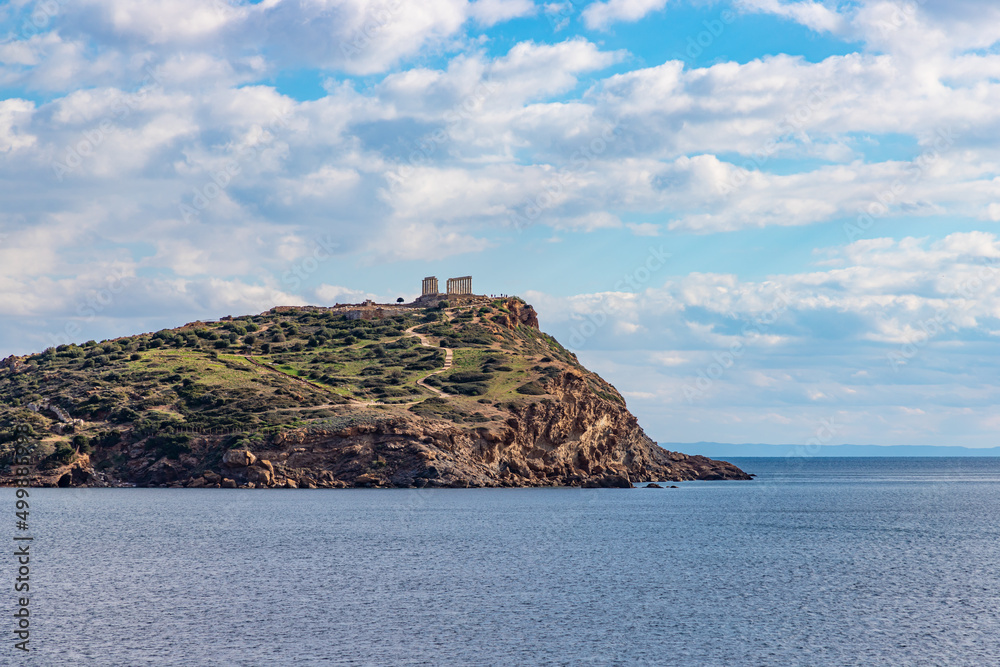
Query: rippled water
column 818, row 562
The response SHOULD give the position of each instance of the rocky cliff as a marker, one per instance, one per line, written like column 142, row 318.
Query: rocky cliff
column 471, row 396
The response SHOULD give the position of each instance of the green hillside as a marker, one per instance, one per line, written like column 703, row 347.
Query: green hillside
column 253, row 376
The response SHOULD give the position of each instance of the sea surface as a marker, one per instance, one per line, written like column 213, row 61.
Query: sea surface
column 815, row 562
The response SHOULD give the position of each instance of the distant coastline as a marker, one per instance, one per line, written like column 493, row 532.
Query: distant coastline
column 720, row 449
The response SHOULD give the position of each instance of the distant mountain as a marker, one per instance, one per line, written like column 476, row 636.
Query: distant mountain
column 721, row 449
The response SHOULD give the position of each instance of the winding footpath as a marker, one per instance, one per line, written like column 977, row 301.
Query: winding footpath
column 448, row 353
column 423, row 338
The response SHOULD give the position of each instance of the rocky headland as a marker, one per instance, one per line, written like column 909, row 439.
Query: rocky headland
column 452, row 393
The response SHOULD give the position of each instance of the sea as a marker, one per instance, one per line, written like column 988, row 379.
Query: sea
column 853, row 561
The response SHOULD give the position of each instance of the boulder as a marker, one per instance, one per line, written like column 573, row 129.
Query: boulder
column 238, row 458
column 608, row 481
column 653, row 485
column 228, row 483
column 261, row 476
column 367, row 478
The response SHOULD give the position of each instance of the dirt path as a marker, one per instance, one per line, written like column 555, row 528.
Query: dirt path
column 448, row 353
column 448, row 356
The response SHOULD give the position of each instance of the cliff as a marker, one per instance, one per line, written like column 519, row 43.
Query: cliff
column 472, row 395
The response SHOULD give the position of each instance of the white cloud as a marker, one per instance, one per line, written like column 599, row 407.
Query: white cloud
column 902, row 325
column 333, row 294
column 599, row 15
column 491, row 12
column 813, row 15
column 15, row 115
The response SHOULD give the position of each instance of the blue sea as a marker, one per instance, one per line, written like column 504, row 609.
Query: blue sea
column 857, row 561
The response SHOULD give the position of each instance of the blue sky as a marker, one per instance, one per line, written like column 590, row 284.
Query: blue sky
column 756, row 218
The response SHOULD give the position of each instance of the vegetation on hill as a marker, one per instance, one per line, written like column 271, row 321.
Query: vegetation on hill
column 255, row 376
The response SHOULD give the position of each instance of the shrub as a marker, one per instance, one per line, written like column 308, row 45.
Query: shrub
column 124, row 415
column 469, row 376
column 531, row 389
column 135, row 356
column 64, row 453
column 82, row 444
column 467, row 389
column 107, row 439
column 171, row 446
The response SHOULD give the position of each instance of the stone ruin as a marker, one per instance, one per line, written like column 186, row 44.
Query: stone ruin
column 454, row 286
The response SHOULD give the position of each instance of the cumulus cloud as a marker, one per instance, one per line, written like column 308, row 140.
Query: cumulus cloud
column 869, row 339
column 813, row 15
column 600, row 15
column 491, row 12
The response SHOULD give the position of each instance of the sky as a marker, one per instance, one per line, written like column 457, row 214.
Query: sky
column 761, row 220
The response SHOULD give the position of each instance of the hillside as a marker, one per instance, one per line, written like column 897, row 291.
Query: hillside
column 467, row 393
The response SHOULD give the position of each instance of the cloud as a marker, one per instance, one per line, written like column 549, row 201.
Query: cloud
column 900, row 325
column 599, row 15
column 14, row 116
column 813, row 15
column 491, row 12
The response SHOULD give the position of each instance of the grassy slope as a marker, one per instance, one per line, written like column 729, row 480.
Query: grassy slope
column 305, row 366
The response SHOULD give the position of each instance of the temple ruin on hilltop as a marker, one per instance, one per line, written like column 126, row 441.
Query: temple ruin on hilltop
column 455, row 286
column 459, row 292
column 461, row 285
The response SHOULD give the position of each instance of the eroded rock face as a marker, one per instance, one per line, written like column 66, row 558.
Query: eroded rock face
column 520, row 313
column 581, row 434
column 573, row 438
